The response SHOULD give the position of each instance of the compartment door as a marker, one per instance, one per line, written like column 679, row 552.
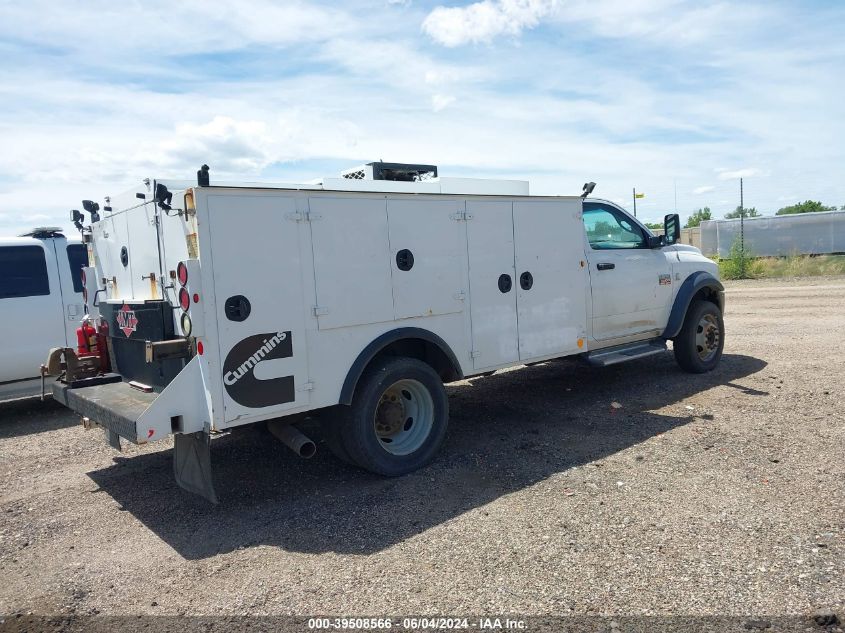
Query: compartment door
column 492, row 283
column 551, row 277
column 351, row 260
column 427, row 256
column 255, row 250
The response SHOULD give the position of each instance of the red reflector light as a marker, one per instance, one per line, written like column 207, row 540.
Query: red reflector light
column 196, row 298
column 199, row 348
column 182, row 273
column 184, row 299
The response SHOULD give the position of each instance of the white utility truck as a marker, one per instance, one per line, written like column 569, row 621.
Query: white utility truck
column 234, row 304
column 41, row 304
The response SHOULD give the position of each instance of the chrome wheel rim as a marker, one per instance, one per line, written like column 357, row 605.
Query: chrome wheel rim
column 707, row 337
column 404, row 417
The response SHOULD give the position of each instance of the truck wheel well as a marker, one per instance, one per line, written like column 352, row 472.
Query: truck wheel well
column 700, row 285
column 426, row 351
column 707, row 293
column 412, row 343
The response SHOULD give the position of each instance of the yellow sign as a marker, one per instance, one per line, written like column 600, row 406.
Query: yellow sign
column 639, row 195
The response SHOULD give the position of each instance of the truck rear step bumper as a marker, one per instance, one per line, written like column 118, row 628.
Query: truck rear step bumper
column 116, row 406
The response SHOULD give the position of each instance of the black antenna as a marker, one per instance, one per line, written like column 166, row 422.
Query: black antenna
column 202, row 176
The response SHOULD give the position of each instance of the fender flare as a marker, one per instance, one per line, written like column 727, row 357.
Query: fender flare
column 692, row 284
column 382, row 341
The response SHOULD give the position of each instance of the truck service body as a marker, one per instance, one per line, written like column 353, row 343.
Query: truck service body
column 234, row 304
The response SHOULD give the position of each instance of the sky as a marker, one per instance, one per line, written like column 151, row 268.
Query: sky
column 676, row 99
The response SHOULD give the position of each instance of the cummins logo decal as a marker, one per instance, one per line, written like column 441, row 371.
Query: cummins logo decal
column 239, row 371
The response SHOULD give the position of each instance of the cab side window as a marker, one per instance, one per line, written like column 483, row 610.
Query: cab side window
column 77, row 258
column 24, row 272
column 609, row 228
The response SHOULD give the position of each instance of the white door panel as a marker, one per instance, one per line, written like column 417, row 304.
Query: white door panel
column 70, row 283
column 264, row 355
column 631, row 283
column 492, row 283
column 351, row 260
column 429, row 243
column 30, row 309
column 550, row 279
column 143, row 245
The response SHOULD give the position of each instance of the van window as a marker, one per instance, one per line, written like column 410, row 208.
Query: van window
column 77, row 257
column 23, row 272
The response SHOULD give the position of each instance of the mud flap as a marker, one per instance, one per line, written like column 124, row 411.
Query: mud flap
column 192, row 464
column 113, row 439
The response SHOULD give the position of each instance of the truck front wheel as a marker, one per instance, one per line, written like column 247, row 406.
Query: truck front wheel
column 698, row 346
column 398, row 417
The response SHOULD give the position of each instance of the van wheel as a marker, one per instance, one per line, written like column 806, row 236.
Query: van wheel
column 398, row 417
column 698, row 346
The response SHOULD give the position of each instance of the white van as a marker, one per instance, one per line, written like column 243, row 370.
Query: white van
column 40, row 304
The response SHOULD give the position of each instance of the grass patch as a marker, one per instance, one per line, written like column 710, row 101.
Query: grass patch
column 743, row 264
column 802, row 266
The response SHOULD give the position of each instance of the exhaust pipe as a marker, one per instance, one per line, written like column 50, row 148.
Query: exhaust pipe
column 293, row 438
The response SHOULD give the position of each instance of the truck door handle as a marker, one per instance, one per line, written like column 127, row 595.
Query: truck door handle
column 605, row 266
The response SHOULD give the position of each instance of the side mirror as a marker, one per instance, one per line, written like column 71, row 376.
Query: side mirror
column 672, row 228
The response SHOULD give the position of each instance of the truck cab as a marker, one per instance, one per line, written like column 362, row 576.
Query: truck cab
column 41, row 303
column 633, row 283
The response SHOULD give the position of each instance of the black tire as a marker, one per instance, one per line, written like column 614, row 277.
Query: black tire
column 689, row 354
column 331, row 422
column 356, row 425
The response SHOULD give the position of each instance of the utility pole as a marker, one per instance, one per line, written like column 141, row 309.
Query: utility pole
column 741, row 229
column 635, row 202
column 675, row 182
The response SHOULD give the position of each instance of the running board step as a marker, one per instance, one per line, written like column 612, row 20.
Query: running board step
column 623, row 353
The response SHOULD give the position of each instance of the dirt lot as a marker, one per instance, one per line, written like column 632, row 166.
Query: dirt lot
column 716, row 494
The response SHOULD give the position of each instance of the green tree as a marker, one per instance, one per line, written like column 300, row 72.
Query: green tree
column 654, row 225
column 808, row 206
column 698, row 217
column 747, row 212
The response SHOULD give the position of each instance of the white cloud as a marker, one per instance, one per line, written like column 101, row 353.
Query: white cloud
column 611, row 91
column 736, row 174
column 483, row 21
column 439, row 102
column 705, row 189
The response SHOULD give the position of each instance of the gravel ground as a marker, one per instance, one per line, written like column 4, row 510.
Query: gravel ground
column 715, row 494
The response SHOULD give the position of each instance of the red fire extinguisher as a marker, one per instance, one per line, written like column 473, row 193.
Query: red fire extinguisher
column 86, row 338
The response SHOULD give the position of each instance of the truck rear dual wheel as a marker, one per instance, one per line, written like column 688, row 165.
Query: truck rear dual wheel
column 397, row 420
column 698, row 346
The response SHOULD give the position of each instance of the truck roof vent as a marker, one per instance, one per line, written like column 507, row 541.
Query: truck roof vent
column 43, row 232
column 406, row 172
